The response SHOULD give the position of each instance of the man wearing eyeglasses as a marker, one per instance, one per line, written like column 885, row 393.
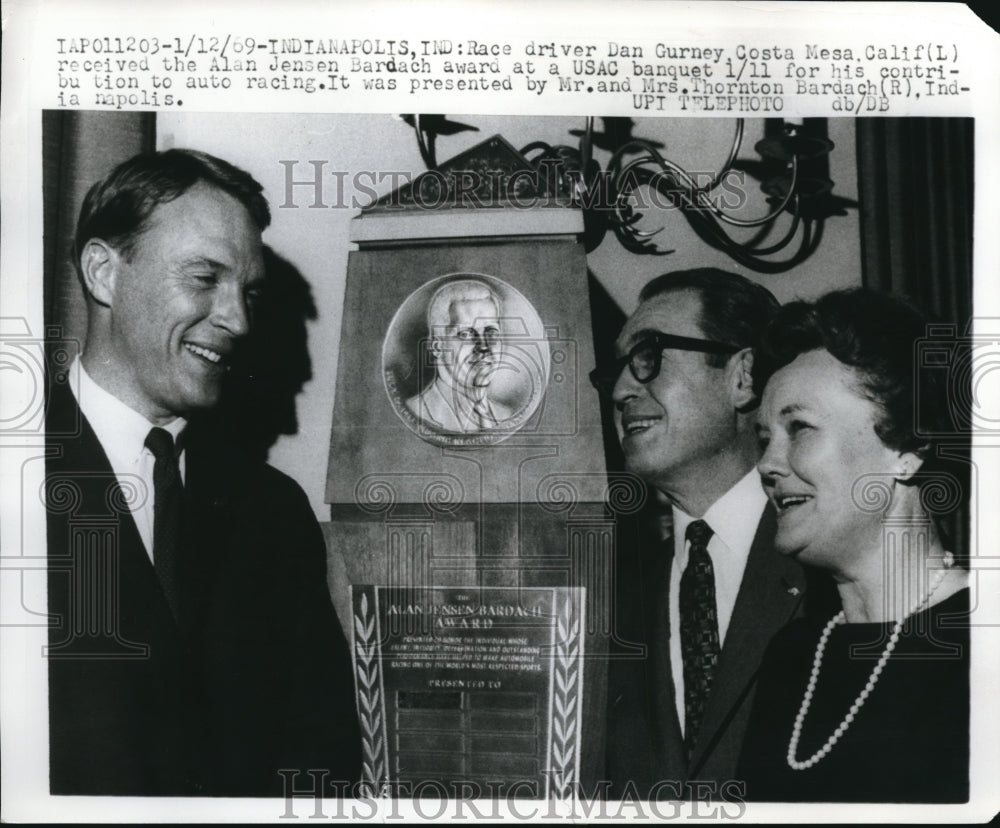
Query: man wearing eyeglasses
column 706, row 599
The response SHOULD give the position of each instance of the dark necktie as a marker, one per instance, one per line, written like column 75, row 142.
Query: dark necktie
column 699, row 630
column 168, row 493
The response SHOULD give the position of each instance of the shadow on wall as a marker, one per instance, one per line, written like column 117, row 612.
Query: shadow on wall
column 607, row 319
column 258, row 404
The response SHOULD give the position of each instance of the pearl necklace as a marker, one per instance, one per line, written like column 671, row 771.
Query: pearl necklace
column 840, row 618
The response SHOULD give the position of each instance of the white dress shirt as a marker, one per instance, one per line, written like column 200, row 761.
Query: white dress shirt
column 733, row 519
column 122, row 433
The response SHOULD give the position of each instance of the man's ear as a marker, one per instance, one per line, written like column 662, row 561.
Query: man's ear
column 434, row 346
column 99, row 264
column 741, row 379
column 909, row 464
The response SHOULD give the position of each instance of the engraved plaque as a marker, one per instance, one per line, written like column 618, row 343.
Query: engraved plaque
column 476, row 685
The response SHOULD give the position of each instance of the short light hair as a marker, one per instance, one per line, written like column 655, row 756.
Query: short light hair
column 117, row 208
column 462, row 290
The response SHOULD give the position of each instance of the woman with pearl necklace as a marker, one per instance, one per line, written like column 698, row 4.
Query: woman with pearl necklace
column 872, row 704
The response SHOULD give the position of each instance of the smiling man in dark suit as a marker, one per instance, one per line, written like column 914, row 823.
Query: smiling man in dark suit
column 705, row 599
column 194, row 649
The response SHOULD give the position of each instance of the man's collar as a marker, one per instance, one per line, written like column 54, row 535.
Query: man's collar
column 734, row 516
column 120, row 428
column 451, row 390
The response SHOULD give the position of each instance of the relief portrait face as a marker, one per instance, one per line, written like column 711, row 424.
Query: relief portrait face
column 465, row 360
column 469, row 349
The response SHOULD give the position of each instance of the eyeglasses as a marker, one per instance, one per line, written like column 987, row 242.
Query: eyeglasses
column 645, row 358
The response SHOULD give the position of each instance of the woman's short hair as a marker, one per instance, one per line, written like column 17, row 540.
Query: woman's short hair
column 919, row 406
column 876, row 335
column 117, row 208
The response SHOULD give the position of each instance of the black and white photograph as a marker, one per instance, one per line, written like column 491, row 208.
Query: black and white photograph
column 621, row 454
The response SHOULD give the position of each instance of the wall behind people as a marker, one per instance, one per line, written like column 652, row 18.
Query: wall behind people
column 79, row 148
column 314, row 241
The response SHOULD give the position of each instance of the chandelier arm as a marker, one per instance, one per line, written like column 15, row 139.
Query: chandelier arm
column 710, row 230
column 773, row 215
column 759, row 236
column 624, row 215
column 751, row 245
column 621, row 193
column 620, row 205
column 644, row 234
column 682, row 175
column 709, row 221
column 806, row 248
column 628, row 221
column 697, row 197
column 587, row 143
column 624, row 223
column 648, row 177
column 657, row 158
column 643, row 248
column 425, row 153
column 536, row 145
column 701, row 216
column 815, row 236
column 639, row 241
column 679, row 173
column 713, row 234
column 635, row 145
column 733, row 152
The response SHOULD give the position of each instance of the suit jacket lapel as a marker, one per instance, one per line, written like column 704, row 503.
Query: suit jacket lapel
column 208, row 520
column 667, row 737
column 81, row 461
column 770, row 593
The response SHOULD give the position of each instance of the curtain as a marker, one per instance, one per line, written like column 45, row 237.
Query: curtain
column 915, row 181
column 78, row 148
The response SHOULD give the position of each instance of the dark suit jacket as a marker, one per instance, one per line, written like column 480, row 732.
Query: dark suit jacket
column 645, row 742
column 253, row 677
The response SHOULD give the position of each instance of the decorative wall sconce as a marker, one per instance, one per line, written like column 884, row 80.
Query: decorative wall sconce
column 793, row 171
